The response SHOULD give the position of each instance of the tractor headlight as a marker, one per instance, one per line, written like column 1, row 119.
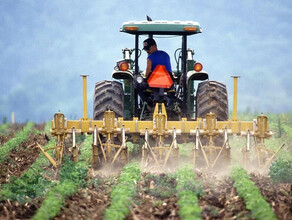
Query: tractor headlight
column 139, row 79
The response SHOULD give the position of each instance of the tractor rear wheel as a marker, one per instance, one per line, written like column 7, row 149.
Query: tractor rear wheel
column 212, row 97
column 108, row 95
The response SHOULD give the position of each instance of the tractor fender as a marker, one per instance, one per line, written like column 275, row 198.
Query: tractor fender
column 194, row 75
column 122, row 74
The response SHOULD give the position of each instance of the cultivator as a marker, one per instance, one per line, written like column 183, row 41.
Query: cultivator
column 160, row 137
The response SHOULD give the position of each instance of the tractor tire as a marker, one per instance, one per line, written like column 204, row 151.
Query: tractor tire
column 108, row 95
column 212, row 97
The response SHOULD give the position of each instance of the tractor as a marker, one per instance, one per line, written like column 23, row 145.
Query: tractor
column 192, row 110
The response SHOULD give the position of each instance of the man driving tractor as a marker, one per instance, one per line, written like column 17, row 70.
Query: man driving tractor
column 157, row 60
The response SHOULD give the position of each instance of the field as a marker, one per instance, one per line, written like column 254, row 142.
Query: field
column 32, row 189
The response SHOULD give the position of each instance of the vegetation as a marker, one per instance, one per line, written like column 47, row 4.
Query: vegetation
column 72, row 176
column 164, row 185
column 48, row 126
column 3, row 127
column 188, row 192
column 247, row 190
column 31, row 184
column 14, row 142
column 123, row 193
column 281, row 171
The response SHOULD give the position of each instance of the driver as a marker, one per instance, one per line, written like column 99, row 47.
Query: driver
column 155, row 56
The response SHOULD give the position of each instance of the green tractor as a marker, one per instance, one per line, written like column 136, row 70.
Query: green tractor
column 191, row 110
column 183, row 99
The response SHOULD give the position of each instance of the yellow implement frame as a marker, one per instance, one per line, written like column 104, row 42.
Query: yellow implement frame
column 106, row 131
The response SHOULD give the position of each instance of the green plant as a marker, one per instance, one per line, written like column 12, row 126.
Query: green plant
column 72, row 176
column 3, row 127
column 186, row 149
column 48, row 126
column 254, row 201
column 31, row 184
column 281, row 171
column 123, row 192
column 188, row 191
column 14, row 142
column 164, row 185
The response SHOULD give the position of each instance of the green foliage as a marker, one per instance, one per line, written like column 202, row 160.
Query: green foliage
column 55, row 199
column 281, row 171
column 188, row 191
column 164, row 185
column 3, row 127
column 133, row 148
column 48, row 126
column 75, row 172
column 251, row 194
column 123, row 192
column 186, row 149
column 14, row 142
column 30, row 185
column 72, row 176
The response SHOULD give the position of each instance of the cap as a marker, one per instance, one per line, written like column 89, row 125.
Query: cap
column 148, row 43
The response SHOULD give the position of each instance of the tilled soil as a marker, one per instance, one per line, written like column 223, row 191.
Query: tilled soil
column 156, row 199
column 5, row 137
column 91, row 202
column 219, row 200
column 13, row 210
column 21, row 158
column 279, row 196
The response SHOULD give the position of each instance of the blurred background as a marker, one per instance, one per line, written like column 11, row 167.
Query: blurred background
column 46, row 45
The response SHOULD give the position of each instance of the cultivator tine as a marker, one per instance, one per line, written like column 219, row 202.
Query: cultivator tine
column 122, row 149
column 218, row 155
column 74, row 147
column 95, row 155
column 102, row 148
column 145, row 147
column 172, row 146
column 204, row 154
column 226, row 138
column 53, row 162
column 153, row 154
column 270, row 160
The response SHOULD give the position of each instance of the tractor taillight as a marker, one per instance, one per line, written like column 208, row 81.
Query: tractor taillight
column 131, row 28
column 198, row 67
column 124, row 66
column 190, row 29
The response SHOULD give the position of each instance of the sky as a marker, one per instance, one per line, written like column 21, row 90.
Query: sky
column 46, row 45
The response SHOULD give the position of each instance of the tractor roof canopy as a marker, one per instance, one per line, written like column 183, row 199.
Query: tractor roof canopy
column 161, row 27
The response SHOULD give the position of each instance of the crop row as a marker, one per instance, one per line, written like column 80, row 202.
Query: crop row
column 188, row 191
column 72, row 176
column 247, row 190
column 14, row 142
column 31, row 184
column 3, row 127
column 123, row 193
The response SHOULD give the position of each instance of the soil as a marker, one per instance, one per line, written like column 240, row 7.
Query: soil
column 21, row 158
column 219, row 200
column 13, row 210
